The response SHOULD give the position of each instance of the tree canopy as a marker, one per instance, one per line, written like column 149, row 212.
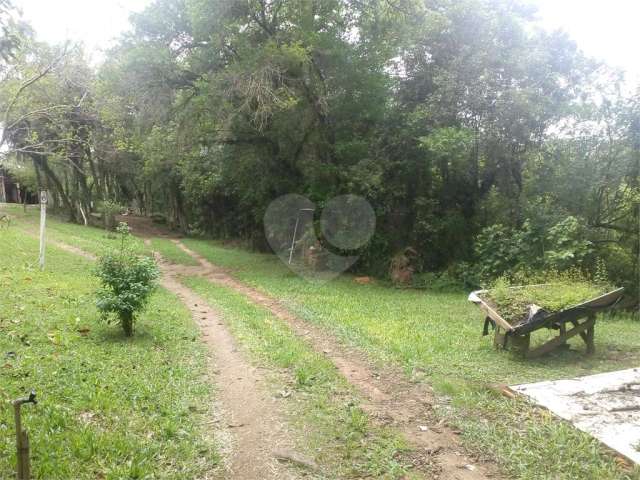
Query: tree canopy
column 482, row 142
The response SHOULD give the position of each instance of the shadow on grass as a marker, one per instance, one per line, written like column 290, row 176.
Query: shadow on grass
column 113, row 333
column 570, row 355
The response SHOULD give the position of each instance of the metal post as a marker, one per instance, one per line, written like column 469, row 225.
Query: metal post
column 23, row 467
column 293, row 240
column 19, row 438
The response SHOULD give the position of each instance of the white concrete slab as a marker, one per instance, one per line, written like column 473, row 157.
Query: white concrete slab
column 606, row 405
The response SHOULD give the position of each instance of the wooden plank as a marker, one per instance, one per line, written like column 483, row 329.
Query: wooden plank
column 603, row 300
column 583, row 335
column 559, row 340
column 590, row 336
column 495, row 317
column 499, row 339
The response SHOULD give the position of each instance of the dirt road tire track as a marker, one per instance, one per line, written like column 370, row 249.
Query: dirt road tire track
column 258, row 427
column 390, row 398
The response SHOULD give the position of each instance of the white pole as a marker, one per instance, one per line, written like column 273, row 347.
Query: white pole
column 293, row 240
column 295, row 232
column 43, row 219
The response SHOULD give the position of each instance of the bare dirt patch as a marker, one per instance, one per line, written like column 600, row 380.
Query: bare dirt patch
column 251, row 413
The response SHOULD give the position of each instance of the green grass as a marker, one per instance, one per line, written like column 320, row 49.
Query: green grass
column 109, row 407
column 171, row 252
column 512, row 303
column 436, row 337
column 336, row 430
column 90, row 239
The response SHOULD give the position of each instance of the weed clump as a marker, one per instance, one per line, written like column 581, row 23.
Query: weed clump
column 512, row 300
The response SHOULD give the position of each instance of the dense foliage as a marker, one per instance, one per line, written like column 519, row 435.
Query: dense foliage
column 127, row 279
column 484, row 143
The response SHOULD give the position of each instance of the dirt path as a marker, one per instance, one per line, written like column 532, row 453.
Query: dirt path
column 390, row 399
column 252, row 415
column 31, row 232
column 251, row 418
column 71, row 249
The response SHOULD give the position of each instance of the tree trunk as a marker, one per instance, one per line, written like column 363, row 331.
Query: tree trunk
column 42, row 163
column 126, row 319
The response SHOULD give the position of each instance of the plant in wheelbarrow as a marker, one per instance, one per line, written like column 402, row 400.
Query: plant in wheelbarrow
column 555, row 292
column 567, row 303
column 127, row 281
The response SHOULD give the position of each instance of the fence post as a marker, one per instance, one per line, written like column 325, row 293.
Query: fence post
column 43, row 220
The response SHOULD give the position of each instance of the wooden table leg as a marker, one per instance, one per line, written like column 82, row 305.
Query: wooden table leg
column 590, row 336
column 499, row 338
column 519, row 344
column 588, row 325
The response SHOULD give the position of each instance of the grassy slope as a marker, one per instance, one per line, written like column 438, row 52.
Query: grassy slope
column 336, row 431
column 171, row 252
column 109, row 407
column 92, row 240
column 436, row 336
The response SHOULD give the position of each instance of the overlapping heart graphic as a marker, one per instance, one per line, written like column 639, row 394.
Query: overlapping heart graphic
column 292, row 225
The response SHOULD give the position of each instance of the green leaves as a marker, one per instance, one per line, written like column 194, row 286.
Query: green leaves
column 567, row 245
column 127, row 281
column 502, row 250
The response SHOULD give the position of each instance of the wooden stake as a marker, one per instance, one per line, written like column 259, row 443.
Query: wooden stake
column 43, row 220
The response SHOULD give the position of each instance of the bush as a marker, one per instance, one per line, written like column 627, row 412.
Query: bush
column 127, row 282
column 567, row 245
column 109, row 210
column 500, row 250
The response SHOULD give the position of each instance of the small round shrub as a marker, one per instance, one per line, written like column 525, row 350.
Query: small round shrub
column 128, row 280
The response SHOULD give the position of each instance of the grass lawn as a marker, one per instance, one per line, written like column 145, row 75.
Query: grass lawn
column 109, row 407
column 92, row 240
column 337, row 433
column 171, row 252
column 436, row 337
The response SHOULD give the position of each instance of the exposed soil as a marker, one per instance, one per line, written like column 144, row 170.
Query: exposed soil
column 252, row 413
column 252, row 416
column 258, row 430
column 62, row 246
column 72, row 249
column 390, row 398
